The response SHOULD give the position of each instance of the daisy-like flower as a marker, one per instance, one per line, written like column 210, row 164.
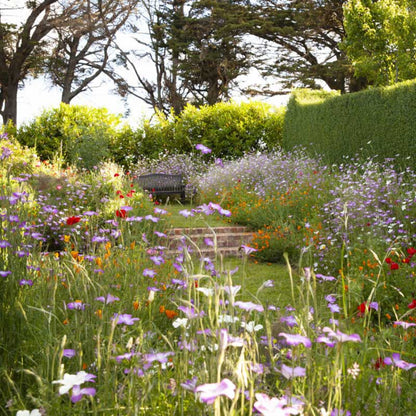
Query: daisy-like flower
column 251, row 326
column 354, row 371
column 34, row 412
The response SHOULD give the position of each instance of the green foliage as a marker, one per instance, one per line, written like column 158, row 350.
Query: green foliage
column 81, row 135
column 375, row 123
column 126, row 146
column 229, row 129
column 381, row 39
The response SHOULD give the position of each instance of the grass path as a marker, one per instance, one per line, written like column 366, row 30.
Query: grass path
column 250, row 274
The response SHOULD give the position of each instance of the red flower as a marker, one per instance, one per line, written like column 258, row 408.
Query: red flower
column 118, row 192
column 362, row 308
column 379, row 363
column 116, row 174
column 406, row 260
column 130, row 193
column 121, row 213
column 412, row 304
column 411, row 251
column 73, row 220
column 394, row 266
column 388, row 260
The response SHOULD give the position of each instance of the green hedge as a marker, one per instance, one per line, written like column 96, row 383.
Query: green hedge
column 379, row 123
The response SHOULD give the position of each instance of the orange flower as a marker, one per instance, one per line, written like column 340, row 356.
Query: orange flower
column 162, row 309
column 136, row 305
column 99, row 313
column 170, row 314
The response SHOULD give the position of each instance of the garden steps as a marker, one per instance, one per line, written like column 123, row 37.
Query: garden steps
column 228, row 240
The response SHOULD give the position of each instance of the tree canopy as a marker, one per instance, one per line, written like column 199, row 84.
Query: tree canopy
column 381, row 39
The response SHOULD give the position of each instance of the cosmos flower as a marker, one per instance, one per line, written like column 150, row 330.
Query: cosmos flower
column 209, row 392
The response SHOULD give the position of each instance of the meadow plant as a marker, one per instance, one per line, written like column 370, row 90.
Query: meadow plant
column 112, row 323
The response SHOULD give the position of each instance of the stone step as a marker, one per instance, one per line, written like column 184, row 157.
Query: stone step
column 227, row 240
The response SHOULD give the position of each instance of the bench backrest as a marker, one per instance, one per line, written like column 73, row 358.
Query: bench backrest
column 161, row 182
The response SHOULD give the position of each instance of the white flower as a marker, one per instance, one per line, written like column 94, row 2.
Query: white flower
column 180, row 322
column 354, row 371
column 71, row 380
column 227, row 319
column 206, row 291
column 34, row 412
column 251, row 326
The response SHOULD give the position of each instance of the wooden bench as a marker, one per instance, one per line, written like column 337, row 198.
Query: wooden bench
column 162, row 184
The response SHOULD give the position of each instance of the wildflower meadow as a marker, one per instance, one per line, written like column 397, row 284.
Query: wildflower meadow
column 99, row 317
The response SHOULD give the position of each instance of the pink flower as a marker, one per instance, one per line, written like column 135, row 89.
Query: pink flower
column 209, row 392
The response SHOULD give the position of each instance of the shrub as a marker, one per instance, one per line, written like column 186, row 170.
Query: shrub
column 81, row 135
column 376, row 123
column 228, row 129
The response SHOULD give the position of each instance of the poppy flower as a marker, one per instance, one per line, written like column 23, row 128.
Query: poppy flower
column 394, row 266
column 121, row 213
column 411, row 252
column 73, row 220
column 388, row 260
column 412, row 304
column 362, row 308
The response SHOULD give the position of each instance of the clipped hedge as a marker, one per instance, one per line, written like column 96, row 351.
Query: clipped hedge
column 377, row 123
column 228, row 129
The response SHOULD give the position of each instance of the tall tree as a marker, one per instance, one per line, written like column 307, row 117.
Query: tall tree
column 217, row 51
column 381, row 39
column 82, row 51
column 305, row 36
column 195, row 48
column 22, row 49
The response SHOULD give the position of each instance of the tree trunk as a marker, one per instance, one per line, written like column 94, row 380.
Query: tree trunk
column 9, row 112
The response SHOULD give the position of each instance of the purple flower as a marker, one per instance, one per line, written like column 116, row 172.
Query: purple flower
column 330, row 298
column 203, row 149
column 160, row 234
column 334, row 308
column 340, row 412
column 398, row 362
column 161, row 357
column 24, row 282
column 373, row 305
column 69, row 353
column 99, row 239
column 209, row 392
column 78, row 392
column 190, row 384
column 109, row 299
column 272, row 406
column 4, row 244
column 249, row 306
column 296, row 339
column 290, row 321
column 403, row 324
column 290, row 372
column 160, row 211
column 248, row 250
column 186, row 213
column 77, row 305
column 190, row 312
column 157, row 260
column 208, row 242
column 151, row 218
column 5, row 273
column 340, row 336
column 149, row 273
column 325, row 278
column 125, row 319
